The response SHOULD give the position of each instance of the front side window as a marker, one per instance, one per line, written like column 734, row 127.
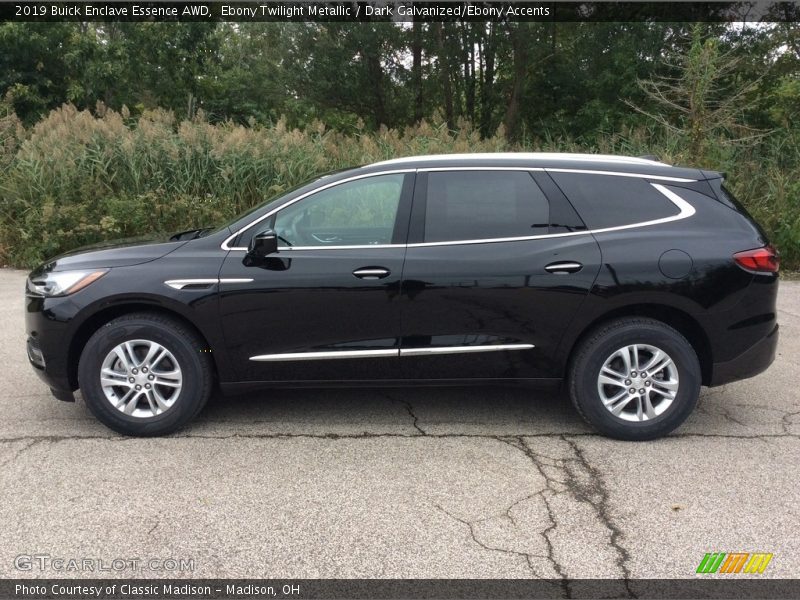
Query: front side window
column 474, row 205
column 360, row 212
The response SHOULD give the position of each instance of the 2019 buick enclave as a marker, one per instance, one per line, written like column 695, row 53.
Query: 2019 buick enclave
column 633, row 281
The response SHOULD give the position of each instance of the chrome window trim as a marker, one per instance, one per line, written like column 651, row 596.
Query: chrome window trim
column 338, row 354
column 225, row 245
column 686, row 209
column 332, row 247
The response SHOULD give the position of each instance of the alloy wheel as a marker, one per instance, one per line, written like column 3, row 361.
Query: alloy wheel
column 141, row 378
column 638, row 382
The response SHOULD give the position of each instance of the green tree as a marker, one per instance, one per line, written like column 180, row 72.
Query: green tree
column 702, row 101
column 34, row 73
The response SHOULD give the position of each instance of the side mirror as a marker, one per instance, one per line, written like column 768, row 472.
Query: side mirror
column 263, row 244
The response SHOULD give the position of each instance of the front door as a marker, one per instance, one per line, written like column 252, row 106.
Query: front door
column 326, row 305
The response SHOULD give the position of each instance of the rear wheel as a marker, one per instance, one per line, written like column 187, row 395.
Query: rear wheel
column 145, row 374
column 635, row 379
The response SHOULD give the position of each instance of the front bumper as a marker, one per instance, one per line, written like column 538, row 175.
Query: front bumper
column 749, row 363
column 59, row 386
column 48, row 342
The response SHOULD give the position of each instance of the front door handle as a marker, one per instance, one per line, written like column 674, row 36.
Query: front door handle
column 564, row 267
column 371, row 273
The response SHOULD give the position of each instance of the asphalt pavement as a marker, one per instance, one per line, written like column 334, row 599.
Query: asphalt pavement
column 403, row 483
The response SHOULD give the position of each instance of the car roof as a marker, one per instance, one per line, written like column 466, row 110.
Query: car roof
column 550, row 160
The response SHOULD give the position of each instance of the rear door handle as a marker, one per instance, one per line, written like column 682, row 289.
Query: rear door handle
column 563, row 267
column 371, row 273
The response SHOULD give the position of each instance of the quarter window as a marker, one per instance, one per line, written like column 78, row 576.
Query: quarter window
column 473, row 205
column 355, row 213
column 612, row 201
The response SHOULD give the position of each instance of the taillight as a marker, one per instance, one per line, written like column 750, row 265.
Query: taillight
column 761, row 260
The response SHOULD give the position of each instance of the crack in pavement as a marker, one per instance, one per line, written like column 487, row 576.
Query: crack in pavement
column 584, row 483
column 711, row 392
column 596, row 495
column 763, row 407
column 787, row 420
column 723, row 412
column 519, row 444
column 471, row 526
column 729, row 417
column 31, row 442
column 787, row 416
column 788, row 312
column 582, row 480
column 155, row 526
column 368, row 436
column 410, row 410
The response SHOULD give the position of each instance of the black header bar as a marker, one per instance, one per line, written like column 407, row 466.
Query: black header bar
column 400, row 11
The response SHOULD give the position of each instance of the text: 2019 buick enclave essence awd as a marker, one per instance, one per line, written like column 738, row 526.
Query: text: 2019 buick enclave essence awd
column 633, row 281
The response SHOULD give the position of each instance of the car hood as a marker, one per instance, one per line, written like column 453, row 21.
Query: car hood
column 119, row 253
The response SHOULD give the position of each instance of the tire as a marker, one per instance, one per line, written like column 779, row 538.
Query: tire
column 180, row 374
column 672, row 390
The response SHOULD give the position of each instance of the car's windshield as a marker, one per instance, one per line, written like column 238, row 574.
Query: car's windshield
column 275, row 197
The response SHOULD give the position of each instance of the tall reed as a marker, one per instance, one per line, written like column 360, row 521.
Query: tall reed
column 78, row 177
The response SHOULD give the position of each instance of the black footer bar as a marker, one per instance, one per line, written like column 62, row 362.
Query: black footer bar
column 396, row 589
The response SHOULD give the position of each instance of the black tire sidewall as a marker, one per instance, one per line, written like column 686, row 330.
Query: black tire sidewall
column 586, row 369
column 183, row 347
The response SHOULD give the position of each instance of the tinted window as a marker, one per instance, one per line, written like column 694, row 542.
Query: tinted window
column 360, row 212
column 471, row 205
column 611, row 201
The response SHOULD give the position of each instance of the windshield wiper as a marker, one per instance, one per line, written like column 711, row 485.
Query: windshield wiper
column 189, row 234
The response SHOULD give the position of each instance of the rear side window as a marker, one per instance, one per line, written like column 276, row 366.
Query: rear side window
column 611, row 201
column 472, row 205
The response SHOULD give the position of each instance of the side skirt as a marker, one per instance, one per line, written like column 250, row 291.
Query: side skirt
column 241, row 387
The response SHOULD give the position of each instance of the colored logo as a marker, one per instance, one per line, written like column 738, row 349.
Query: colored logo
column 734, row 562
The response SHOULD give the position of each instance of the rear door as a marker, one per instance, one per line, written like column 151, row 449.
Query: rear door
column 495, row 270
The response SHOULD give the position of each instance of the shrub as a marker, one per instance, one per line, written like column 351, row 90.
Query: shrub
column 77, row 178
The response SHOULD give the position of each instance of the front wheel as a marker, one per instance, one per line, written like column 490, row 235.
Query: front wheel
column 145, row 374
column 635, row 379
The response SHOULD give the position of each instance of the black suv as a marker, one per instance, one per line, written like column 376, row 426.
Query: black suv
column 632, row 281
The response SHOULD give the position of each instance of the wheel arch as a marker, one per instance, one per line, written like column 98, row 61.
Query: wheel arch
column 94, row 322
column 680, row 320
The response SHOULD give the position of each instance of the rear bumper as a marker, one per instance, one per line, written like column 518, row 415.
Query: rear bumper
column 749, row 363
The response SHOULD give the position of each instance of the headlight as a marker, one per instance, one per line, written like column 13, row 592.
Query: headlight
column 62, row 283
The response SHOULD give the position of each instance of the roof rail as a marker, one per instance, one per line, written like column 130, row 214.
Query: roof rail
column 531, row 156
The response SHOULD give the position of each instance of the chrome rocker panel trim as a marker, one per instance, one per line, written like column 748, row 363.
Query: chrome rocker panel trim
column 338, row 354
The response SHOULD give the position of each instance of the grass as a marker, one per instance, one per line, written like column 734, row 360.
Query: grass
column 78, row 177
